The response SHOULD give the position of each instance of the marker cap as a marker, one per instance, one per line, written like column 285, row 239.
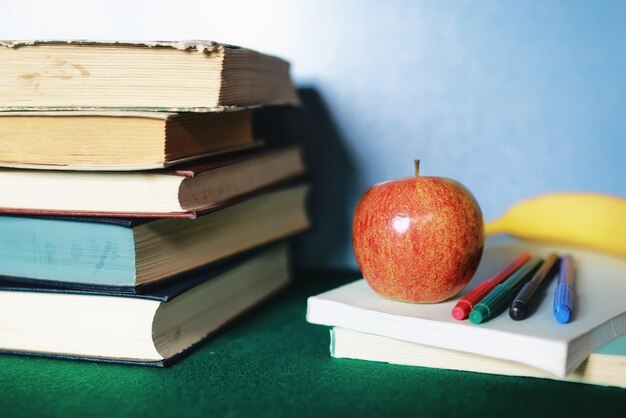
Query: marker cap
column 517, row 310
column 562, row 314
column 564, row 294
column 479, row 314
column 461, row 311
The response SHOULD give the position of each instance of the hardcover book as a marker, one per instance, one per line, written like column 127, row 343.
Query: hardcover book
column 115, row 141
column 183, row 191
column 121, row 252
column 538, row 341
column 153, row 328
column 183, row 76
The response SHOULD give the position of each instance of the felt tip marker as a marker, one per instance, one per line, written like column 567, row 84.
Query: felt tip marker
column 465, row 305
column 564, row 294
column 500, row 297
column 528, row 295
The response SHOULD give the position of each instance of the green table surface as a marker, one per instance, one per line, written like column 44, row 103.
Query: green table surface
column 271, row 362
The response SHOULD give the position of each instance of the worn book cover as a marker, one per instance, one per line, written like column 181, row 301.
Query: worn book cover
column 178, row 76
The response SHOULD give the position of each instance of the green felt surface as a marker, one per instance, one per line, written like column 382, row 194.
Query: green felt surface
column 272, row 363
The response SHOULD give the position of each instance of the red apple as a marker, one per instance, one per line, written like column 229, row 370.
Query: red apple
column 418, row 239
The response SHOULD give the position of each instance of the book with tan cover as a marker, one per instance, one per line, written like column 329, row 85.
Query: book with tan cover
column 189, row 76
column 118, row 141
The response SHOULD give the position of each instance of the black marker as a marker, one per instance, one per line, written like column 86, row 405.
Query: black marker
column 523, row 300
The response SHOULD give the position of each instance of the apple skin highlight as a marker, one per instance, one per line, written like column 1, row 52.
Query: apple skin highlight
column 418, row 239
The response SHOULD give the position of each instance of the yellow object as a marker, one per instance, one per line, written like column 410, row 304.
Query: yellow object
column 593, row 221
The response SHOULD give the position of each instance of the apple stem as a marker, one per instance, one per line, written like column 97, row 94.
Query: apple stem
column 417, row 168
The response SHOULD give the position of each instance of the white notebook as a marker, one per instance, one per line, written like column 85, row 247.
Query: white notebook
column 538, row 341
column 605, row 366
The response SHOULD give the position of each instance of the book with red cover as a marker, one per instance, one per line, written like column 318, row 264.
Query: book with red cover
column 181, row 192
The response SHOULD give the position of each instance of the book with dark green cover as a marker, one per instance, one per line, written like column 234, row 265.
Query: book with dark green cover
column 151, row 328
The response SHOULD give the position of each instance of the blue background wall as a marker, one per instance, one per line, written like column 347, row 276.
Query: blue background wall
column 510, row 98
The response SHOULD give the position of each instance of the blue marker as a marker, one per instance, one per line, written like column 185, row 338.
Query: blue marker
column 564, row 293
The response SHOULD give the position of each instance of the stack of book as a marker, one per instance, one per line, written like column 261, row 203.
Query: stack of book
column 139, row 213
column 589, row 349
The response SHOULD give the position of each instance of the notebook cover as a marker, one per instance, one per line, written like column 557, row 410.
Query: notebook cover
column 539, row 340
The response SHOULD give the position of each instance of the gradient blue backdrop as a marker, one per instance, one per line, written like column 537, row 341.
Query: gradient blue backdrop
column 511, row 98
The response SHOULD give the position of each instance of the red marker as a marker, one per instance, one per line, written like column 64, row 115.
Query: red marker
column 464, row 306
